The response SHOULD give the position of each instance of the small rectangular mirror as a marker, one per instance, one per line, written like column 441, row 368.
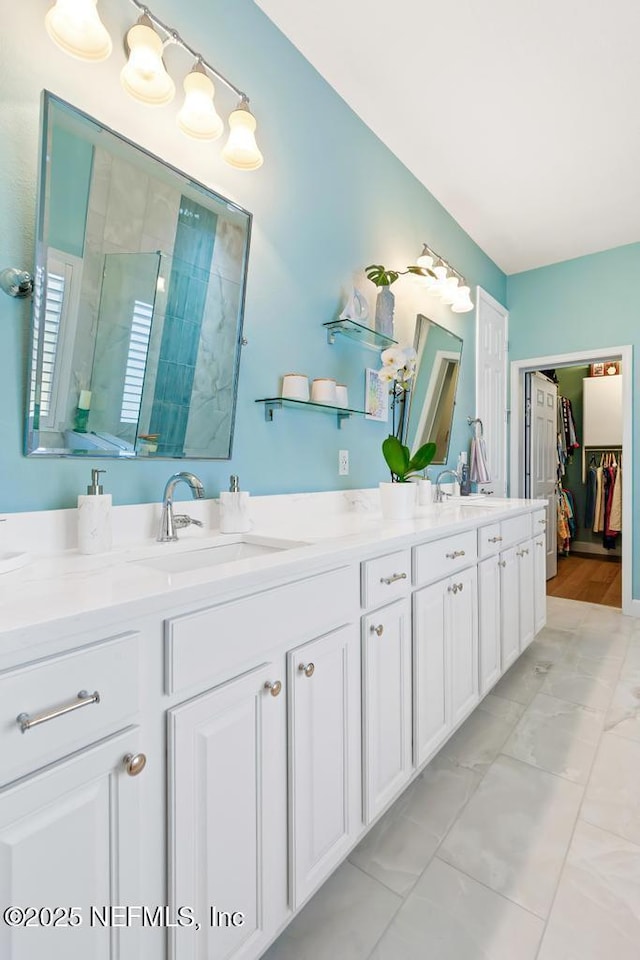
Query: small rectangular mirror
column 138, row 304
column 432, row 400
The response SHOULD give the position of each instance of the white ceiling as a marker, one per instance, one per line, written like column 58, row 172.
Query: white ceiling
column 522, row 118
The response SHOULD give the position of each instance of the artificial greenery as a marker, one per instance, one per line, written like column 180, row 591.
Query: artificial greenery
column 402, row 465
column 384, row 278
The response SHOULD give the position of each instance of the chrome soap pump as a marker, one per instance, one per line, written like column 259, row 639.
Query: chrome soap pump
column 94, row 517
column 234, row 508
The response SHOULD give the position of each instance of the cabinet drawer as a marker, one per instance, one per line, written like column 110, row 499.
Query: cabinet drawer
column 538, row 522
column 385, row 578
column 211, row 645
column 110, row 669
column 515, row 529
column 489, row 540
column 432, row 561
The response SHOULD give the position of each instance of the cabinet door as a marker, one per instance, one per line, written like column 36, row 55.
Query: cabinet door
column 70, row 836
column 324, row 756
column 489, row 622
column 524, row 552
column 227, row 816
column 386, row 697
column 461, row 621
column 509, row 607
column 430, row 657
column 539, row 584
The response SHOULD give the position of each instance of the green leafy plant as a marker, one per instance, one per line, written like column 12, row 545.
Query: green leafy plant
column 382, row 277
column 402, row 465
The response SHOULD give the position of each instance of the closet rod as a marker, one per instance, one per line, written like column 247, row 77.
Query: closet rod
column 606, row 448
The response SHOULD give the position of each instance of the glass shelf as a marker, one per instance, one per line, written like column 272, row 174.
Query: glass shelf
column 277, row 403
column 365, row 336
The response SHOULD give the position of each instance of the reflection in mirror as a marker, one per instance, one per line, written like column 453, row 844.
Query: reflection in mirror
column 432, row 399
column 138, row 303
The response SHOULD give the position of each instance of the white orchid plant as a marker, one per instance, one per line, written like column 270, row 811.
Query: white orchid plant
column 398, row 369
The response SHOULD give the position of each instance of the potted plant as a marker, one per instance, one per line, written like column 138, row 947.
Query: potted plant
column 385, row 301
column 398, row 496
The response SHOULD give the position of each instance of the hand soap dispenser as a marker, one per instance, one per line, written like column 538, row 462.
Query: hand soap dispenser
column 234, row 509
column 94, row 517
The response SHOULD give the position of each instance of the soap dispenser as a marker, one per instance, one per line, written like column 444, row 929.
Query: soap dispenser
column 234, row 508
column 94, row 517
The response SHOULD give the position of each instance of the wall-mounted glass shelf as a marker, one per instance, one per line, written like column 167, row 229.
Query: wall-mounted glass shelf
column 365, row 336
column 277, row 403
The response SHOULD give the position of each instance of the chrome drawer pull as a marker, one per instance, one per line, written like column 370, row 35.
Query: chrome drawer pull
column 543, row 522
column 495, row 539
column 393, row 578
column 379, row 629
column 455, row 554
column 134, row 763
column 539, row 543
column 521, row 553
column 453, row 588
column 502, row 563
column 460, row 586
column 26, row 722
column 307, row 668
column 274, row 687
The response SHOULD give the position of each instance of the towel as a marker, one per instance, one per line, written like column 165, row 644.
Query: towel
column 479, row 471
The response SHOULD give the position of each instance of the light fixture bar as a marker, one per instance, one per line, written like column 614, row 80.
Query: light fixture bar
column 174, row 37
column 436, row 257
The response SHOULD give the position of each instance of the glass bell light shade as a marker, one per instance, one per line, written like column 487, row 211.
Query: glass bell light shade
column 76, row 27
column 440, row 270
column 144, row 76
column 241, row 149
column 450, row 290
column 198, row 117
column 463, row 302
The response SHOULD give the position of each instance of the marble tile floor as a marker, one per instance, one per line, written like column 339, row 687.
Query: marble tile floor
column 521, row 839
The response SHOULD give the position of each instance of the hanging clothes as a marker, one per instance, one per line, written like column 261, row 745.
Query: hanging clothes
column 590, row 503
column 569, row 426
column 566, row 521
column 615, row 517
column 598, row 514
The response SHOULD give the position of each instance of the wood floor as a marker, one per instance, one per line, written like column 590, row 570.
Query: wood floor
column 589, row 579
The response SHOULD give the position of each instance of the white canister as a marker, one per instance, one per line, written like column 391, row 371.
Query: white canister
column 425, row 493
column 342, row 395
column 295, row 386
column 397, row 500
column 323, row 390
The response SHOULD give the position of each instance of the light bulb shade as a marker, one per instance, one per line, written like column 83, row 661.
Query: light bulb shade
column 450, row 290
column 198, row 117
column 144, row 76
column 425, row 259
column 241, row 149
column 437, row 288
column 440, row 270
column 76, row 27
column 463, row 302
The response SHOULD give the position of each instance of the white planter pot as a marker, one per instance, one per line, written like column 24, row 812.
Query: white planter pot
column 398, row 500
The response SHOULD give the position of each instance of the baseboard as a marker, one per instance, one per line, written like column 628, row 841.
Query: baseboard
column 633, row 609
column 585, row 546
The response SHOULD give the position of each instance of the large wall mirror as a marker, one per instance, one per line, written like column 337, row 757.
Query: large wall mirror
column 433, row 397
column 138, row 303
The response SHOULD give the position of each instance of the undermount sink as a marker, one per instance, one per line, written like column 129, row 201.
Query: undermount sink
column 201, row 557
column 478, row 501
column 12, row 560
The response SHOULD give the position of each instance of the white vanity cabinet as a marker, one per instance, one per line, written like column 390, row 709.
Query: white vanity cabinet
column 526, row 595
column 386, row 705
column 489, row 622
column 539, row 582
column 227, row 815
column 445, row 659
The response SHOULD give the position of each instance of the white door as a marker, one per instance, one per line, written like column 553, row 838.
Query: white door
column 227, row 816
column 70, row 836
column 325, row 809
column 387, row 702
column 462, row 640
column 431, row 718
column 489, row 622
column 509, row 606
column 540, row 583
column 541, row 454
column 526, row 560
column 492, row 321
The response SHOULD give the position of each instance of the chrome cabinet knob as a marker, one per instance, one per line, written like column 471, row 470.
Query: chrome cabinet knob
column 379, row 629
column 455, row 554
column 274, row 687
column 539, row 543
column 134, row 763
column 502, row 563
column 460, row 586
column 307, row 668
column 453, row 588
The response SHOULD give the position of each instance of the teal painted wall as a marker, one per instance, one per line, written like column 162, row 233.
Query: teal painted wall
column 329, row 200
column 71, row 165
column 579, row 305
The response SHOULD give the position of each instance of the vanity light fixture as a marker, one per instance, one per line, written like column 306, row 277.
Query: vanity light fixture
column 441, row 280
column 76, row 28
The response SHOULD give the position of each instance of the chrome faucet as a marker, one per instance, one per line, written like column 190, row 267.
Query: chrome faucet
column 440, row 493
column 170, row 524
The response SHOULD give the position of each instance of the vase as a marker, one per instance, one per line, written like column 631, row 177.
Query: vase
column 385, row 303
column 398, row 500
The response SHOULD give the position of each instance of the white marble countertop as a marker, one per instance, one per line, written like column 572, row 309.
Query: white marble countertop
column 67, row 584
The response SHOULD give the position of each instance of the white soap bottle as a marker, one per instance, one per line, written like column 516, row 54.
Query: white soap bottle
column 234, row 509
column 94, row 517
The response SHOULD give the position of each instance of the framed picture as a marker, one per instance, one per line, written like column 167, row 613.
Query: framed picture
column 376, row 397
column 612, row 368
column 596, row 370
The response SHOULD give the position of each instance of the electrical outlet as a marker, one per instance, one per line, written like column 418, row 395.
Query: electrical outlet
column 343, row 463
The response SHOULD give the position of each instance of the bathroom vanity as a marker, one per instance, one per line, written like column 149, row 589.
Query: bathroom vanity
column 213, row 738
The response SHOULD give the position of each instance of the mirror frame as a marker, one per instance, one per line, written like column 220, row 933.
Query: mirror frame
column 48, row 99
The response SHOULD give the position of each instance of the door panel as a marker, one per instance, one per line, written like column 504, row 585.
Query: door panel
column 541, row 455
column 491, row 386
column 430, row 670
column 489, row 622
column 509, row 606
column 462, row 639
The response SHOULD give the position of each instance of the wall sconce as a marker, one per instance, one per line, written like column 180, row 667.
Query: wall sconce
column 75, row 26
column 441, row 280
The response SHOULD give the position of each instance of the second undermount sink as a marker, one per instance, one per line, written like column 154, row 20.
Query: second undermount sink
column 201, row 557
